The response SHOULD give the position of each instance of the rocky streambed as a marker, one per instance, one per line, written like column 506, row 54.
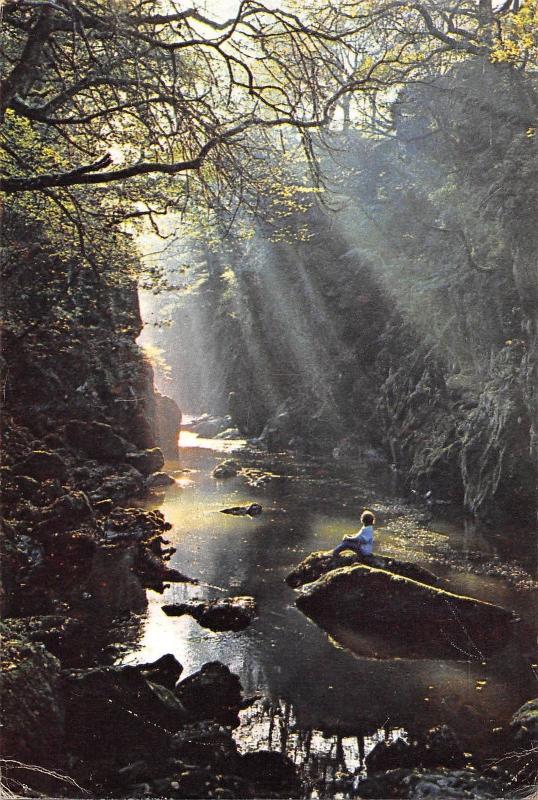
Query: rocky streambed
column 247, row 699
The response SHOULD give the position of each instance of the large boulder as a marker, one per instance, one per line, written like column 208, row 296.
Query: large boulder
column 425, row 619
column 223, row 614
column 97, row 440
column 226, row 469
column 317, row 564
column 146, row 461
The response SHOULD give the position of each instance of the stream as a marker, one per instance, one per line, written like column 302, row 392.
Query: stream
column 323, row 701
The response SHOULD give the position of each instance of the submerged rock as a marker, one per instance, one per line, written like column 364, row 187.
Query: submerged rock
column 317, row 564
column 253, row 510
column 226, row 469
column 425, row 619
column 224, row 614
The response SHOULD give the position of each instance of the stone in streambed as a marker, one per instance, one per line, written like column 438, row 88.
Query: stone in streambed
column 226, row 469
column 224, row 614
column 159, row 479
column 317, row 564
column 425, row 619
column 253, row 510
column 165, row 671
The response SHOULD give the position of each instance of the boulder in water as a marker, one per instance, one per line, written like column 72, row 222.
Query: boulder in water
column 159, row 479
column 425, row 619
column 253, row 510
column 226, row 469
column 224, row 614
column 317, row 564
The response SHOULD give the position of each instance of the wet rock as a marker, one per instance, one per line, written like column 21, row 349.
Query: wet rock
column 419, row 784
column 229, row 433
column 146, row 461
column 524, row 725
column 167, row 424
column 442, row 748
column 208, row 426
column 224, row 614
column 212, row 693
column 164, row 671
column 97, row 439
column 159, row 479
column 253, row 510
column 32, row 707
column 317, row 564
column 388, row 755
column 423, row 618
column 273, row 774
column 226, row 469
column 42, row 464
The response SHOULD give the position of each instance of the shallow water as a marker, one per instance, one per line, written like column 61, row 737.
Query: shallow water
column 313, row 685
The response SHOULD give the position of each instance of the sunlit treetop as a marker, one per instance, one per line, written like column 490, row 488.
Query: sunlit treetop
column 129, row 109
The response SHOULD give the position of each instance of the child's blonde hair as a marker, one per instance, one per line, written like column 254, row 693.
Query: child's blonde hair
column 367, row 518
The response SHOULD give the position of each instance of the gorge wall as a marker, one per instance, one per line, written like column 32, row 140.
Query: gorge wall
column 405, row 321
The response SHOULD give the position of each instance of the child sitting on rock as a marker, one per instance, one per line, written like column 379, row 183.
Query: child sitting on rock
column 362, row 542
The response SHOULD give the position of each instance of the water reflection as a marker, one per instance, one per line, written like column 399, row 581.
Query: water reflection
column 283, row 655
column 321, row 758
